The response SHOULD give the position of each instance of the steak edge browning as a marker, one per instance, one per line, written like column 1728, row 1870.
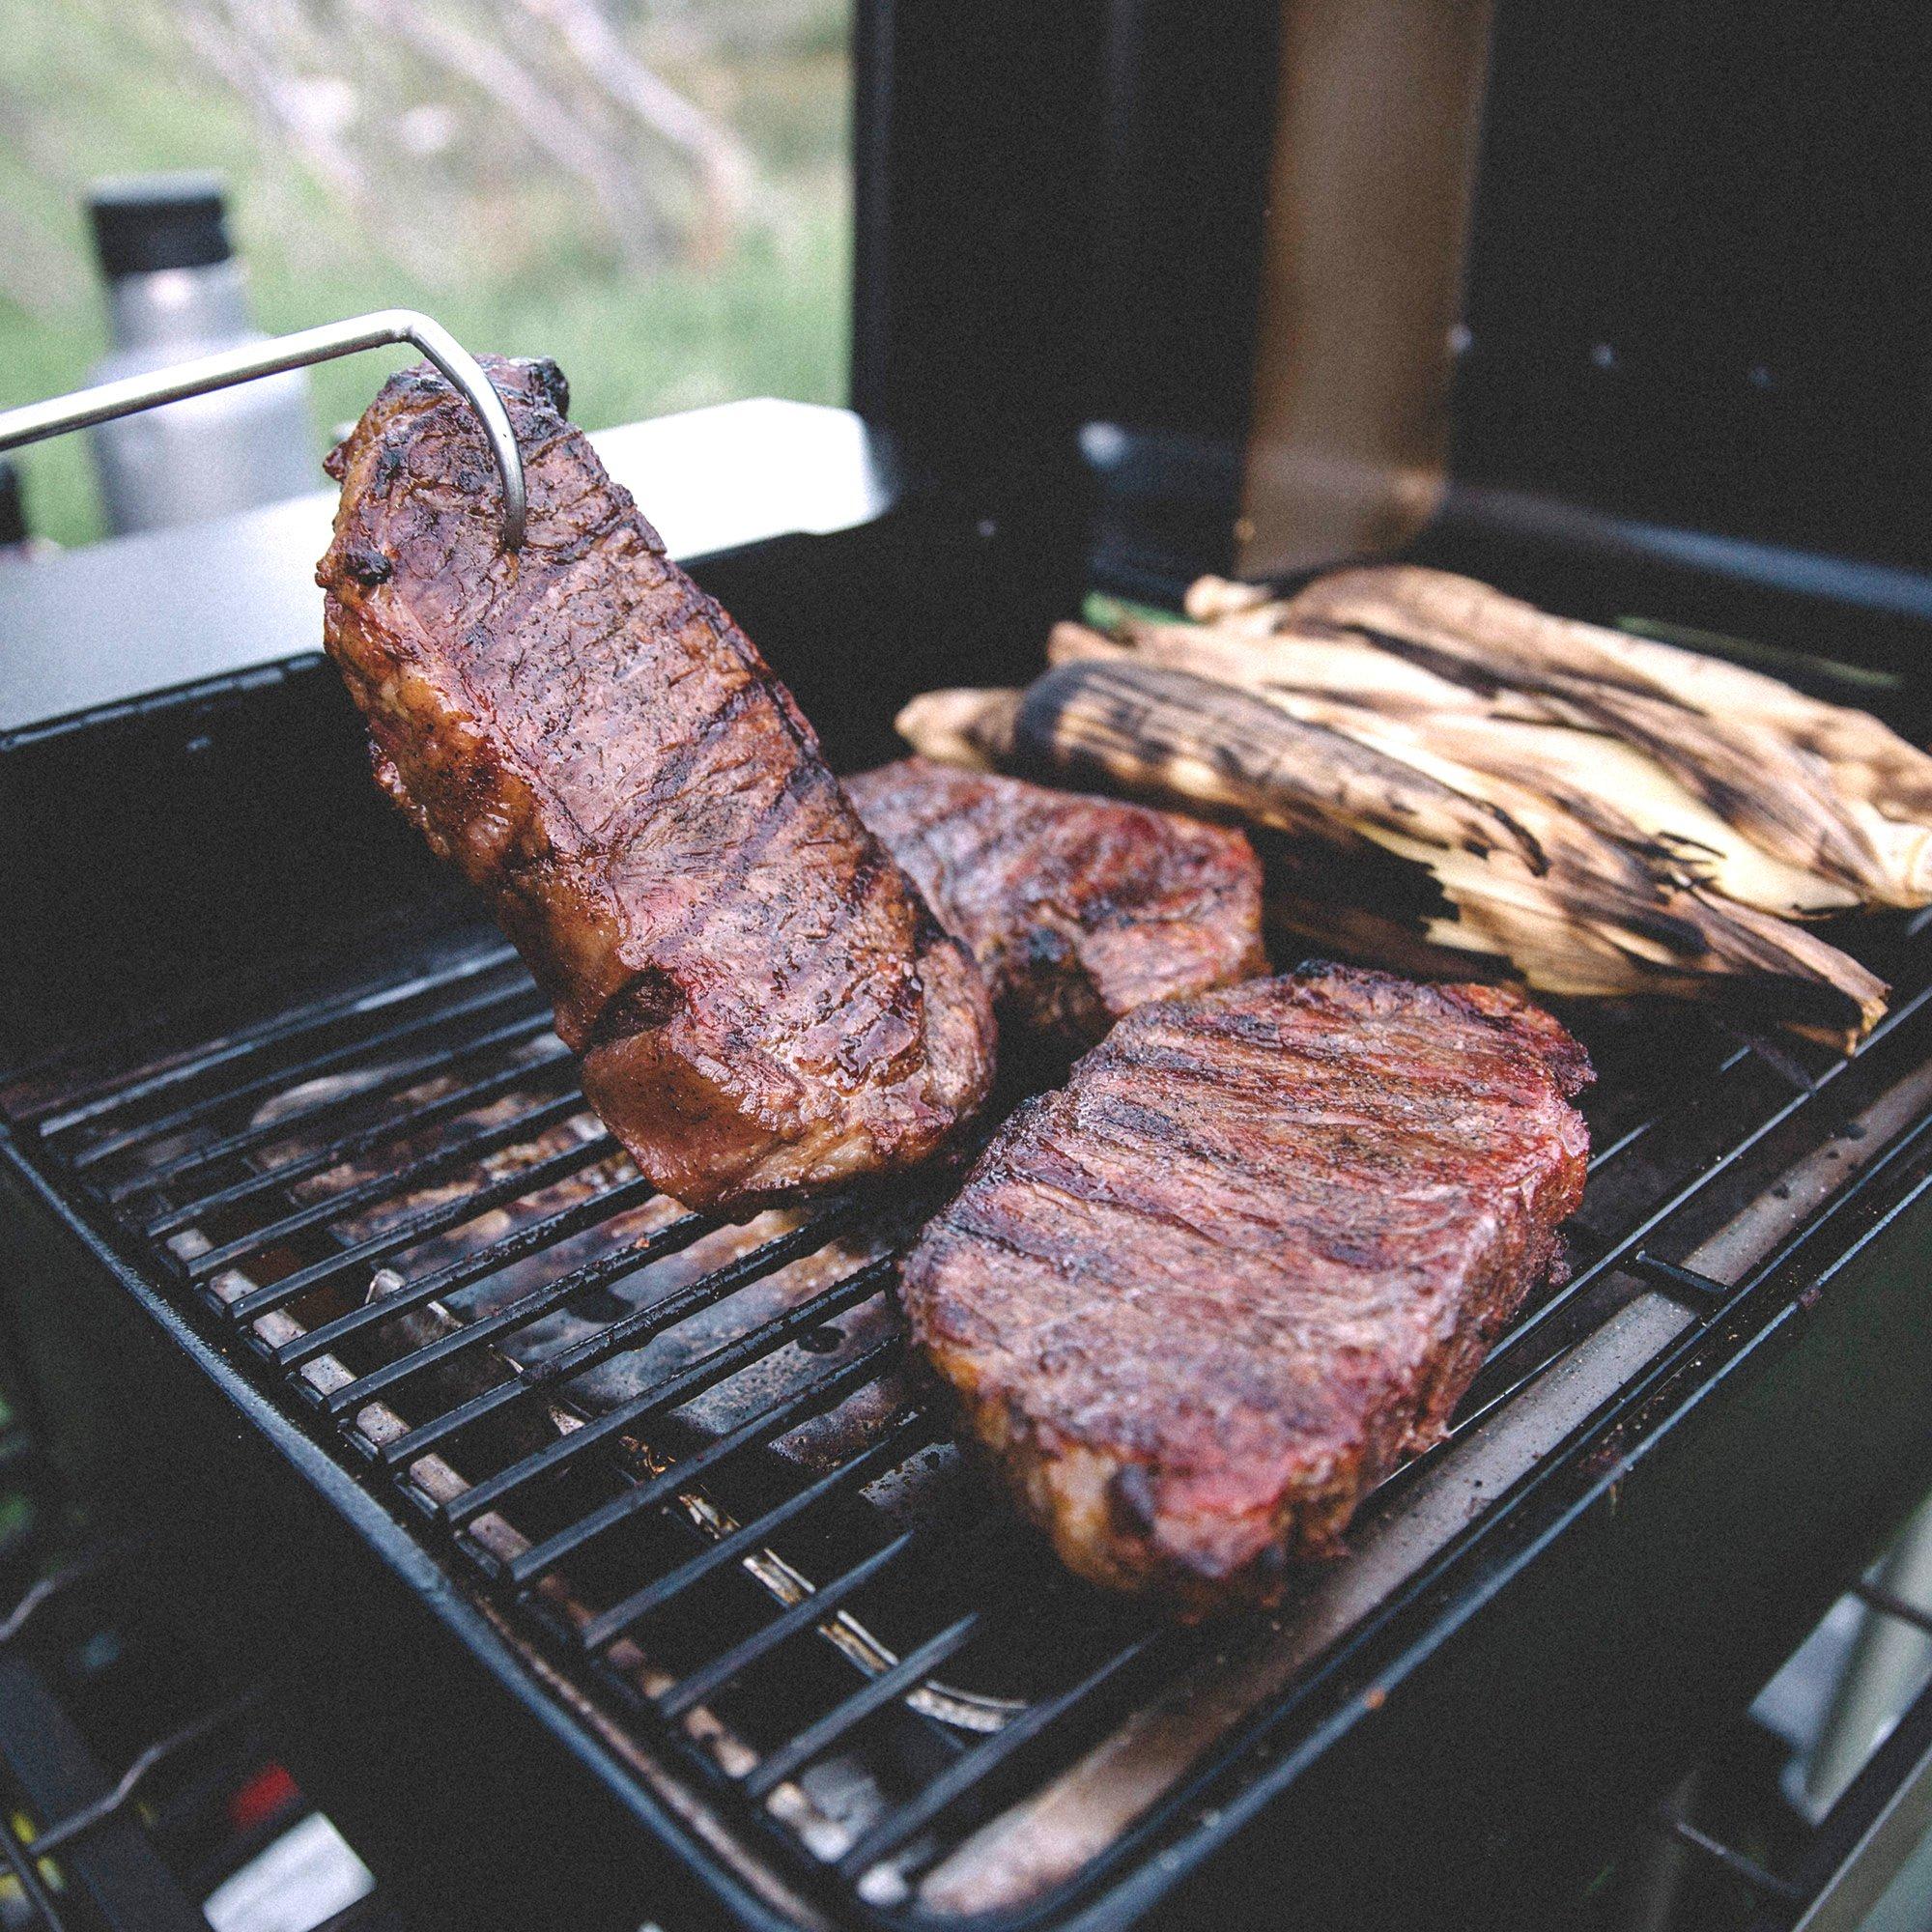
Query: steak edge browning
column 1077, row 909
column 1195, row 1305
column 762, row 1003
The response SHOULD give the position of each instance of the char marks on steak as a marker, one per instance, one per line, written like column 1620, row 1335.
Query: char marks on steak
column 1197, row 1303
column 1077, row 909
column 761, row 1001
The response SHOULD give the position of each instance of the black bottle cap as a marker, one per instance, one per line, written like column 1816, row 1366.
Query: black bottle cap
column 13, row 506
column 147, row 223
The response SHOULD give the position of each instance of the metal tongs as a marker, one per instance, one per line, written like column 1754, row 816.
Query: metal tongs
column 131, row 394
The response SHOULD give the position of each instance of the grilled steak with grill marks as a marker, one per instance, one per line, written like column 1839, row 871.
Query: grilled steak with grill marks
column 1199, row 1302
column 1077, row 909
column 762, row 1003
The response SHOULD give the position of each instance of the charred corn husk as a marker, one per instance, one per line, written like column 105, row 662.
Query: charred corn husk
column 1617, row 880
column 1176, row 736
column 1821, row 784
column 1470, row 741
column 1823, row 788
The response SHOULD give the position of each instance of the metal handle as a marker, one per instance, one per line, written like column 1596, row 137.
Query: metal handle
column 229, row 366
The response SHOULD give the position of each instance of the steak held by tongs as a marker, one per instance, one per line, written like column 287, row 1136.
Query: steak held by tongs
column 762, row 1003
column 1196, row 1304
column 1077, row 909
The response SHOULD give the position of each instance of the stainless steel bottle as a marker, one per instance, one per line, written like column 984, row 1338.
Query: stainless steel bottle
column 174, row 291
column 17, row 542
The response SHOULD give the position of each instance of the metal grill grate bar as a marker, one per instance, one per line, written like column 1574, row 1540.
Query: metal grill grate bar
column 680, row 1234
column 907, row 1432
column 974, row 1767
column 698, row 1685
column 774, row 1421
column 629, row 1333
column 1672, row 1124
column 284, row 1079
column 1640, row 1130
column 63, row 1111
column 1747, row 1871
column 1697, row 1290
column 1891, row 1605
column 703, row 1374
column 550, row 1232
column 418, row 1226
column 1704, row 1296
column 533, row 1070
column 464, row 1151
column 821, row 1735
column 1631, row 1241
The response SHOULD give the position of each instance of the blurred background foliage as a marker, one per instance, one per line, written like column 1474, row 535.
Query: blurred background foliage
column 657, row 192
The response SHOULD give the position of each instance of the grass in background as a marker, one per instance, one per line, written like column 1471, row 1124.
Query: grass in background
column 88, row 89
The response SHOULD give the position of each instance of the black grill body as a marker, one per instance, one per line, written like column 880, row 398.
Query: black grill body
column 1472, row 1728
column 626, row 1565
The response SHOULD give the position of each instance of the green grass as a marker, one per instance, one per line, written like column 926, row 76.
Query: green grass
column 88, row 89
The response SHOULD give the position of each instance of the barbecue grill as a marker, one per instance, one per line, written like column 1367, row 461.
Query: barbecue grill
column 628, row 1566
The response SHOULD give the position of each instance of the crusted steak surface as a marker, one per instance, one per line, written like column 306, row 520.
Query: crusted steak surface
column 761, row 1001
column 1077, row 909
column 1197, row 1303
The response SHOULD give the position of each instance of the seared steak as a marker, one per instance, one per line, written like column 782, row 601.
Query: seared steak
column 1199, row 1302
column 1077, row 909
column 762, row 1003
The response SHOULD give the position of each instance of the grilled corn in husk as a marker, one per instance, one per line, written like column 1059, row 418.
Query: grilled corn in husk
column 1595, row 813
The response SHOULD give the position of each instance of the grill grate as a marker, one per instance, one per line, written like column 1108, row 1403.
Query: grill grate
column 690, row 1461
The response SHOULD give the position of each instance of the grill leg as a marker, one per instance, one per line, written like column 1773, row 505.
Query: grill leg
column 1658, row 1876
column 1885, row 1667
